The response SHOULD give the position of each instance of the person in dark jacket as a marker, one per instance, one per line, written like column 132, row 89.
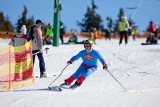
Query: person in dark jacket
column 62, row 32
column 37, row 48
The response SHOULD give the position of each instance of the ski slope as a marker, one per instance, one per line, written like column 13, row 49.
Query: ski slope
column 135, row 66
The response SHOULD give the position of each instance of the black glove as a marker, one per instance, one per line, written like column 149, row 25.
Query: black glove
column 69, row 62
column 105, row 67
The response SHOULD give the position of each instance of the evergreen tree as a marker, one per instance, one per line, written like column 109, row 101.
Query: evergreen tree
column 91, row 19
column 5, row 23
column 110, row 23
column 131, row 22
column 24, row 21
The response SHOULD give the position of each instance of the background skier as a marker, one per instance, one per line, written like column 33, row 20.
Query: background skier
column 123, row 27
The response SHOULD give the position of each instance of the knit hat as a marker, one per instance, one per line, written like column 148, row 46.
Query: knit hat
column 38, row 21
column 23, row 29
column 123, row 18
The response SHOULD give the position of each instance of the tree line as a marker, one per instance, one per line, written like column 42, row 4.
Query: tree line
column 7, row 26
column 91, row 19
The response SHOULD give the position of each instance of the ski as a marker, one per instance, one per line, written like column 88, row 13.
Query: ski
column 38, row 77
column 73, row 87
column 63, row 86
column 57, row 88
column 60, row 88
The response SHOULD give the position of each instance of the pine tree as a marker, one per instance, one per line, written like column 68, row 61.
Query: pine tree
column 5, row 23
column 131, row 22
column 23, row 20
column 110, row 23
column 91, row 19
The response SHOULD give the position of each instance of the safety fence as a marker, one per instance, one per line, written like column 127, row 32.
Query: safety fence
column 101, row 35
column 16, row 67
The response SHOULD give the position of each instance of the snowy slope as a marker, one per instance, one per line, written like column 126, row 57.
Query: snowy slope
column 136, row 67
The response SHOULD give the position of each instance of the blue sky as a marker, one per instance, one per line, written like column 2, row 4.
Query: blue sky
column 74, row 10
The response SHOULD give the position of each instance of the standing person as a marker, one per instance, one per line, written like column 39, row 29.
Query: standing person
column 62, row 31
column 88, row 66
column 49, row 35
column 93, row 35
column 135, row 32
column 37, row 46
column 107, row 34
column 123, row 27
column 95, row 32
column 19, row 40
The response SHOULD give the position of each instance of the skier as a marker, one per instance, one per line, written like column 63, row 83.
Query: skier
column 123, row 27
column 88, row 66
column 48, row 35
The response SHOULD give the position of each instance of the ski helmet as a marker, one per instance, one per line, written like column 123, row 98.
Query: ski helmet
column 88, row 42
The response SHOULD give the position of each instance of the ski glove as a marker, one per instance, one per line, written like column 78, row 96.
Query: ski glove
column 105, row 67
column 69, row 62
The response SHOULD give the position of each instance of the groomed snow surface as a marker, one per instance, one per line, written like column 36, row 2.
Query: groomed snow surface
column 135, row 66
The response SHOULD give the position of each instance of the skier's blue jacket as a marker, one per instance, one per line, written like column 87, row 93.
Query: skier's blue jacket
column 89, row 58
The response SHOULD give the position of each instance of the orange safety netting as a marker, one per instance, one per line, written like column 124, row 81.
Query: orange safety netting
column 16, row 67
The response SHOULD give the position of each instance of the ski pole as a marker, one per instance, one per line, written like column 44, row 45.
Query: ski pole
column 36, row 53
column 116, row 80
column 57, row 77
column 40, row 51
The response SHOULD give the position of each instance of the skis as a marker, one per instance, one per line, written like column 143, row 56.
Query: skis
column 58, row 88
column 61, row 87
column 38, row 77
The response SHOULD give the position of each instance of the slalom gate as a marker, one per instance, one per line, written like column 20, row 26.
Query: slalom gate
column 16, row 67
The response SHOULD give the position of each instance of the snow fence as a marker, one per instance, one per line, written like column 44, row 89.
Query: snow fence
column 16, row 67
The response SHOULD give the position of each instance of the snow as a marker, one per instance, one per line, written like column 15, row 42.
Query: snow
column 135, row 66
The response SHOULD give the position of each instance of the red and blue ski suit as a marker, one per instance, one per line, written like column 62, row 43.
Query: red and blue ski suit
column 88, row 66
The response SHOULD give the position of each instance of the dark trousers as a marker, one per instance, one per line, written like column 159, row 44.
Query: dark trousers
column 41, row 61
column 61, row 37
column 123, row 33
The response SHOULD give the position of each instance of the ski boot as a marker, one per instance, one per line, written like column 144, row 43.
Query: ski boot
column 43, row 75
column 64, row 84
column 74, row 86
